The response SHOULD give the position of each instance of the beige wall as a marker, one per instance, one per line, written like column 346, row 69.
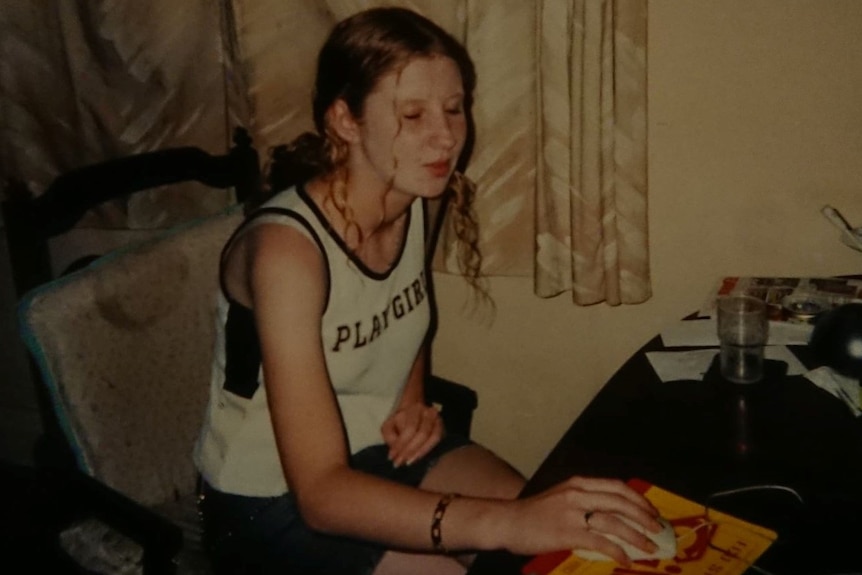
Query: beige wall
column 755, row 123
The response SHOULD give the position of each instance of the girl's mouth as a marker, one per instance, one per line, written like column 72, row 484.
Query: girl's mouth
column 438, row 169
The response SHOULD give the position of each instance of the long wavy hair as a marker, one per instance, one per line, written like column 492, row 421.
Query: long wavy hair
column 361, row 50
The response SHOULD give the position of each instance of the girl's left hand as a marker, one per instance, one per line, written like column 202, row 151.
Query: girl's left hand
column 411, row 432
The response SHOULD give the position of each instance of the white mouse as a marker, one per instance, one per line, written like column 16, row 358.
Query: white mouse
column 664, row 539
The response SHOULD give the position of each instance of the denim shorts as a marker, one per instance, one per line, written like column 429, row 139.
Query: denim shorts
column 263, row 535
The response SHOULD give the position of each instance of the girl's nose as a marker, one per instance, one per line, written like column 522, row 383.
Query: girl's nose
column 442, row 132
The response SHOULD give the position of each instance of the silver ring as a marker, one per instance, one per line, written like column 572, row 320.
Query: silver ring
column 587, row 516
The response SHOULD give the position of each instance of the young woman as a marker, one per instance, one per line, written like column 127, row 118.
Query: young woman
column 319, row 454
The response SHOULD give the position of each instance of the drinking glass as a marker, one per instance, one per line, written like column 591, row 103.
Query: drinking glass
column 743, row 330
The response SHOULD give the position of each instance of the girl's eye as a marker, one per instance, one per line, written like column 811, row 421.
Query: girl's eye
column 455, row 111
column 413, row 116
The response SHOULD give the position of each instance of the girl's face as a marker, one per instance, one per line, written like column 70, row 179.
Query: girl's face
column 413, row 128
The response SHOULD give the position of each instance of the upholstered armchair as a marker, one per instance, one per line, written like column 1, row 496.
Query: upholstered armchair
column 124, row 347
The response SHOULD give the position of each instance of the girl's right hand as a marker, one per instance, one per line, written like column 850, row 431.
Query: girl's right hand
column 575, row 513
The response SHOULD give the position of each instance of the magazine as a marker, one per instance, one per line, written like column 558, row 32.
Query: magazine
column 790, row 299
column 708, row 541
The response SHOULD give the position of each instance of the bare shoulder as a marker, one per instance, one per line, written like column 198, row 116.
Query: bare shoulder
column 272, row 256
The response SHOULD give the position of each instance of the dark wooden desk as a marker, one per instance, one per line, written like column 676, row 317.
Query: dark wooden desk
column 698, row 438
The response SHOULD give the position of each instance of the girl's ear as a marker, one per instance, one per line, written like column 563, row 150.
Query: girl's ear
column 341, row 120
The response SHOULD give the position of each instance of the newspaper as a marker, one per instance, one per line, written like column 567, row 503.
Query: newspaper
column 790, row 299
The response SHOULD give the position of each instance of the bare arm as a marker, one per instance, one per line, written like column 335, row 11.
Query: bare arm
column 286, row 286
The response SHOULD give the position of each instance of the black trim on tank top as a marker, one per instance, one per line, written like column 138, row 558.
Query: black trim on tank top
column 315, row 209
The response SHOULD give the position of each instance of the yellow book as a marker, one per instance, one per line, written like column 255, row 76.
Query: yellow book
column 708, row 543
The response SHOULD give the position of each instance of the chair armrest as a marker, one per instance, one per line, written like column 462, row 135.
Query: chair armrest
column 457, row 403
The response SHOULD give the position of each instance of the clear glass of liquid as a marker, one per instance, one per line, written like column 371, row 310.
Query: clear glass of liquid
column 743, row 330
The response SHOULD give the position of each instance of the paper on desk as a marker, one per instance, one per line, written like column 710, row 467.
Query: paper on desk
column 676, row 365
column 703, row 332
column 844, row 388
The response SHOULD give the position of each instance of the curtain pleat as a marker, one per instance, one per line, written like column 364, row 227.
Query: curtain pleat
column 591, row 232
column 630, row 135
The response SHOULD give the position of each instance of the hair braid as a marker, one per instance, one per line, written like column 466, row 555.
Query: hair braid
column 465, row 225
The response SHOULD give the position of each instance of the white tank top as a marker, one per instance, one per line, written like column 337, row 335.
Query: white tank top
column 372, row 328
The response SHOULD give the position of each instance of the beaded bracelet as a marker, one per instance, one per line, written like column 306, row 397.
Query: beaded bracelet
column 437, row 520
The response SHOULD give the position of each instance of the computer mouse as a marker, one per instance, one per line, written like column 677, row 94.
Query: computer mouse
column 664, row 539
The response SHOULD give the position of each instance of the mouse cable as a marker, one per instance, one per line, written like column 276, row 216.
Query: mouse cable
column 750, row 488
column 736, row 491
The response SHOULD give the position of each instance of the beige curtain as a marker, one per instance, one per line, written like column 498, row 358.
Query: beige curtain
column 501, row 39
column 591, row 180
column 560, row 112
column 82, row 82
